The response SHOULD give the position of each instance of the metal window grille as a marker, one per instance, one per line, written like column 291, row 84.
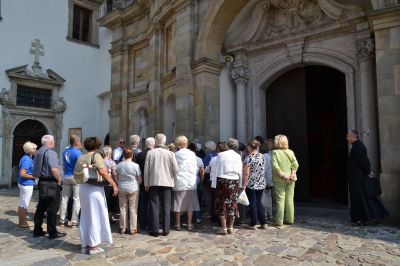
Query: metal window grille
column 34, row 97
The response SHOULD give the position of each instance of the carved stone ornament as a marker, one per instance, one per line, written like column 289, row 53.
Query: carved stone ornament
column 60, row 105
column 265, row 20
column 240, row 74
column 288, row 15
column 365, row 48
column 5, row 96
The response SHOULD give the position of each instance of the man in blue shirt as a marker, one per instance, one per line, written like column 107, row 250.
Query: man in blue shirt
column 70, row 156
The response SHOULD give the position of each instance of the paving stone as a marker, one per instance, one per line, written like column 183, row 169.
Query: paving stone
column 173, row 259
column 276, row 249
column 141, row 252
column 58, row 261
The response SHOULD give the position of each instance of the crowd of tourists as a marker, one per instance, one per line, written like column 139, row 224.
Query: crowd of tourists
column 145, row 186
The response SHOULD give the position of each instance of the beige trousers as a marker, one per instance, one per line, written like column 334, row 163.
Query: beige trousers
column 128, row 202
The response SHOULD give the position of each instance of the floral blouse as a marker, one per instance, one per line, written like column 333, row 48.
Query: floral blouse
column 257, row 171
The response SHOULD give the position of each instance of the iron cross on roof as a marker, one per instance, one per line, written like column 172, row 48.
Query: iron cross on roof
column 36, row 49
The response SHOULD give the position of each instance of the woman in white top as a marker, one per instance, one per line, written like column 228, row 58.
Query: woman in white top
column 228, row 170
column 129, row 178
column 184, row 195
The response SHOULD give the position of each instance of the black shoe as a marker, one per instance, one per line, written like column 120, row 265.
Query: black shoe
column 165, row 233
column 39, row 234
column 359, row 223
column 154, row 234
column 57, row 235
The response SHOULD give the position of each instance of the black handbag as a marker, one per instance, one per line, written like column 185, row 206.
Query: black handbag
column 94, row 177
column 372, row 186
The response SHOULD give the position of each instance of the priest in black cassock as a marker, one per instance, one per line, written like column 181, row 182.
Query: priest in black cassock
column 362, row 208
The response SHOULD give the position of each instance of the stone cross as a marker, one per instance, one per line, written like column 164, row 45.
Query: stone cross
column 37, row 50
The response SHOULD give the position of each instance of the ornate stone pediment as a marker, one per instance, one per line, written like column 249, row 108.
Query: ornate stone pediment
column 24, row 72
column 265, row 20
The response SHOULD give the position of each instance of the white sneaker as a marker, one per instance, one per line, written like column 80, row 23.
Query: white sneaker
column 198, row 221
column 96, row 251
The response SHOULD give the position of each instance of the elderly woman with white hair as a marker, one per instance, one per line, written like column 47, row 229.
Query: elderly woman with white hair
column 184, row 197
column 25, row 182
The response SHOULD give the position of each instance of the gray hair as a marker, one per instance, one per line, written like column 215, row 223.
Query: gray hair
column 29, row 147
column 160, row 139
column 107, row 150
column 232, row 144
column 210, row 145
column 134, row 140
column 46, row 139
column 150, row 143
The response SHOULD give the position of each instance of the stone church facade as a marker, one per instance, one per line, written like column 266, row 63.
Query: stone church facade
column 212, row 69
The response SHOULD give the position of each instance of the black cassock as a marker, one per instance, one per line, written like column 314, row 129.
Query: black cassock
column 358, row 167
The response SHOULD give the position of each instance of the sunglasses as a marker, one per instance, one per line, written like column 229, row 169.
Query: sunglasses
column 122, row 142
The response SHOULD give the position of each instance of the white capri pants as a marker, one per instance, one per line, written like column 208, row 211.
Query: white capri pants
column 25, row 195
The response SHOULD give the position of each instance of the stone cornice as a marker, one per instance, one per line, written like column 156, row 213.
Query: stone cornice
column 124, row 16
column 206, row 65
column 384, row 18
column 169, row 80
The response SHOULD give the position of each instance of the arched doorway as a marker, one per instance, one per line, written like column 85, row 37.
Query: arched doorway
column 27, row 130
column 170, row 118
column 308, row 104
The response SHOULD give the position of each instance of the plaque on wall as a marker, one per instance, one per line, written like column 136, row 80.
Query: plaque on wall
column 75, row 131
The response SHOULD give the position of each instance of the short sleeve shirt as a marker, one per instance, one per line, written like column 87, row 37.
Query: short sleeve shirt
column 128, row 172
column 98, row 163
column 70, row 156
column 45, row 160
column 257, row 171
column 26, row 163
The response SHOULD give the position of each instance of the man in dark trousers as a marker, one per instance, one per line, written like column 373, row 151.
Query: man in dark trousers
column 160, row 169
column 362, row 208
column 143, row 195
column 48, row 169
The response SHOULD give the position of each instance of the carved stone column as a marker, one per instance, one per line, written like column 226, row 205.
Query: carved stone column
column 240, row 75
column 369, row 135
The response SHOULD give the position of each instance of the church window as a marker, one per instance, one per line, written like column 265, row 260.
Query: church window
column 83, row 27
column 33, row 97
column 81, row 24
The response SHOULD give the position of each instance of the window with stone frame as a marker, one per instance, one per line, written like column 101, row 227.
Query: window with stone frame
column 81, row 24
column 83, row 27
column 34, row 97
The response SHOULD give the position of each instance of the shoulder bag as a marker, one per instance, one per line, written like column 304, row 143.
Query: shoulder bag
column 91, row 175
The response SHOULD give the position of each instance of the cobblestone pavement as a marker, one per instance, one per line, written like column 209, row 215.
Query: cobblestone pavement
column 323, row 240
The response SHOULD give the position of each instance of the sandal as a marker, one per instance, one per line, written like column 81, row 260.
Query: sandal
column 222, row 231
column 230, row 230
